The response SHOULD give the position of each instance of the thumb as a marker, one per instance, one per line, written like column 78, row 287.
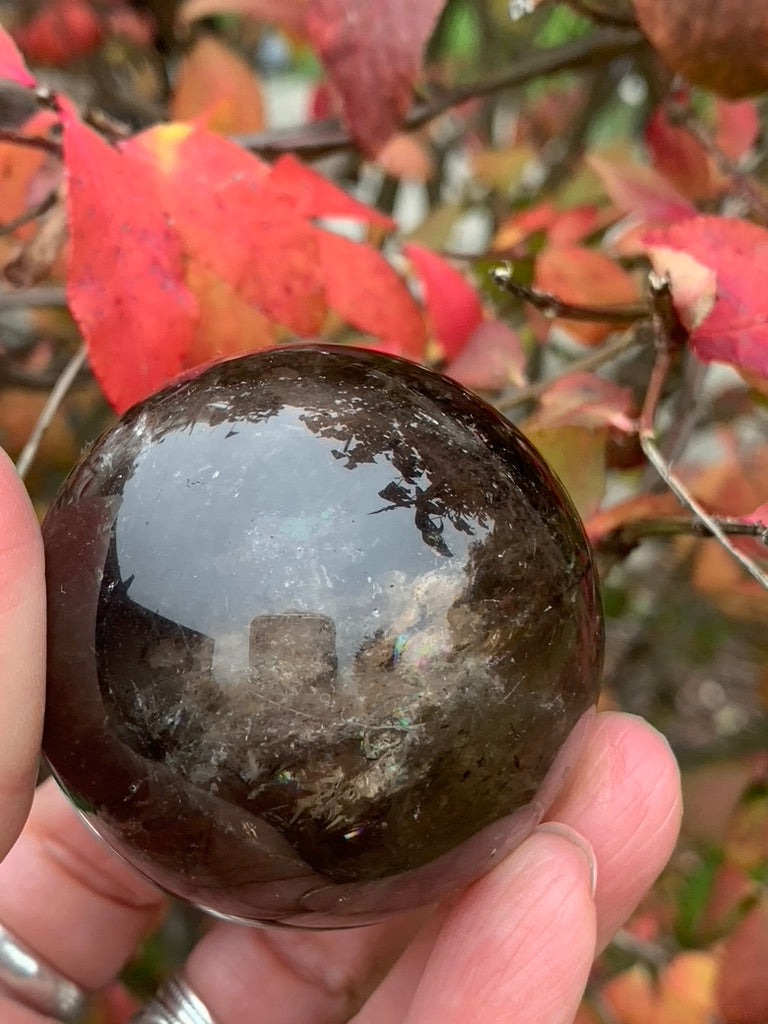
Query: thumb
column 22, row 652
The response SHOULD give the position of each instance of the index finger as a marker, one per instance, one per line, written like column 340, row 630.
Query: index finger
column 22, row 652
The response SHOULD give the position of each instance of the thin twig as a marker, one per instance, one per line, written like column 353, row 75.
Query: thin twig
column 553, row 307
column 665, row 347
column 623, row 539
column 596, row 358
column 62, row 386
column 650, row 953
column 32, row 141
column 34, row 298
column 29, row 215
column 603, row 15
column 324, row 137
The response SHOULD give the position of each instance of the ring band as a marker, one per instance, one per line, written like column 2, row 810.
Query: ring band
column 174, row 1003
column 35, row 984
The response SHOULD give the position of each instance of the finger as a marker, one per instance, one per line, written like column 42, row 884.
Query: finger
column 519, row 945
column 70, row 899
column 624, row 800
column 626, row 803
column 292, row 977
column 22, row 651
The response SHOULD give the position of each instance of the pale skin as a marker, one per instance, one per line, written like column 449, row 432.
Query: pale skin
column 516, row 947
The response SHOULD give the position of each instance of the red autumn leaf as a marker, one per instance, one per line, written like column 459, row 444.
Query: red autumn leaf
column 229, row 224
column 491, row 358
column 561, row 226
column 737, row 127
column 716, row 265
column 372, row 54
column 627, row 511
column 12, row 64
column 584, row 277
column 125, row 273
column 452, row 303
column 312, row 195
column 584, row 400
column 680, row 157
column 60, row 31
column 639, row 190
column 364, row 289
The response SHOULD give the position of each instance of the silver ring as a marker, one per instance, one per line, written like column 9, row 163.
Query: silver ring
column 35, row 984
column 174, row 1003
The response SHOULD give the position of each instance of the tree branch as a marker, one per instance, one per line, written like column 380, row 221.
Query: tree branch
column 56, row 397
column 623, row 539
column 324, row 137
column 553, row 307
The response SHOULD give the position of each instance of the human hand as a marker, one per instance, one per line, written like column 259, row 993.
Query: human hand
column 517, row 946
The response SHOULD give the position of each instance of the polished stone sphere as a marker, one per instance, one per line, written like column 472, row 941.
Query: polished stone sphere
column 323, row 631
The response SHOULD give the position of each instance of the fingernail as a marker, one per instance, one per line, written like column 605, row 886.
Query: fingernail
column 557, row 828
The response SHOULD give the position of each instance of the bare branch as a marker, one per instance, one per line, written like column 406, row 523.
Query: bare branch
column 29, row 215
column 624, row 538
column 324, row 137
column 596, row 358
column 62, row 386
column 553, row 307
column 34, row 298
column 32, row 141
column 666, row 346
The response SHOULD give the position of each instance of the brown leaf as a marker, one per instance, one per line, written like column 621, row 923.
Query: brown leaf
column 372, row 55
column 721, row 45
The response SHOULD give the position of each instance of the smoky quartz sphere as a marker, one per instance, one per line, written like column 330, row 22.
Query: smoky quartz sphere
column 323, row 633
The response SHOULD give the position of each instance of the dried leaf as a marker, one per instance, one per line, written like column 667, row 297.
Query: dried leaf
column 12, row 64
column 734, row 327
column 216, row 87
column 584, row 277
column 372, row 55
column 721, row 45
column 453, row 305
column 491, row 359
column 125, row 274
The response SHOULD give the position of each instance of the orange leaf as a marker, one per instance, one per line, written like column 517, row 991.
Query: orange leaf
column 583, row 277
column 227, row 325
column 125, row 273
column 364, row 289
column 452, row 303
column 737, row 127
column 216, row 87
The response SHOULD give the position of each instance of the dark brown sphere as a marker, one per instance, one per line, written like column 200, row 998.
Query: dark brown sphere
column 320, row 623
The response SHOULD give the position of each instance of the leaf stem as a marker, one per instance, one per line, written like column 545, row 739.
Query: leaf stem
column 60, row 389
